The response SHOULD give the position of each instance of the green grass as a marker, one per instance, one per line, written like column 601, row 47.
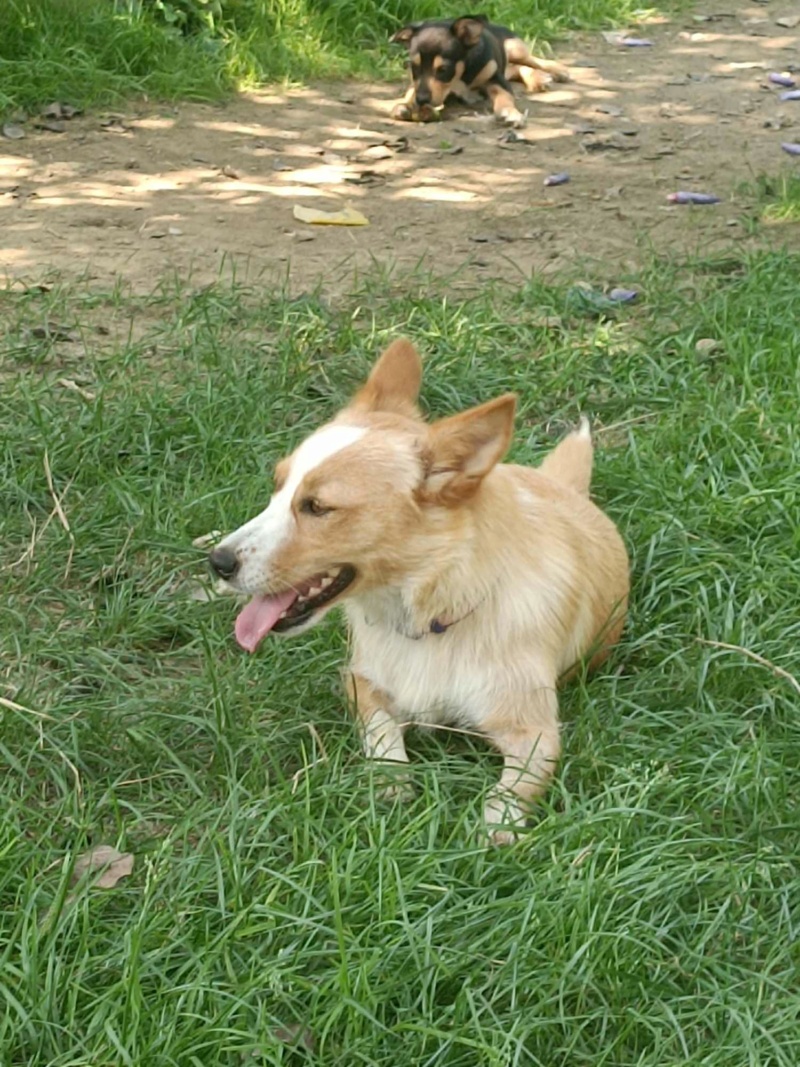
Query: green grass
column 651, row 915
column 93, row 52
column 85, row 53
column 779, row 197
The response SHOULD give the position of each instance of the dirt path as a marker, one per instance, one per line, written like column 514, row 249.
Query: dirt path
column 200, row 189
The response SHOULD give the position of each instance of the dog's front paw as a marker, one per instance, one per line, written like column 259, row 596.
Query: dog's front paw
column 403, row 113
column 538, row 81
column 511, row 117
column 503, row 818
column 559, row 73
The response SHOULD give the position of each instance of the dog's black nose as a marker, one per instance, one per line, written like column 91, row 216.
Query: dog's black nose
column 223, row 562
column 422, row 96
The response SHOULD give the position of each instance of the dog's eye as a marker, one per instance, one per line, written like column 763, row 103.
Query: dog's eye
column 445, row 72
column 310, row 506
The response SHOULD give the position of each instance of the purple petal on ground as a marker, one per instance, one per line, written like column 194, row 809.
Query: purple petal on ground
column 623, row 296
column 557, row 179
column 693, row 198
column 793, row 94
column 636, row 42
column 786, row 80
column 791, row 147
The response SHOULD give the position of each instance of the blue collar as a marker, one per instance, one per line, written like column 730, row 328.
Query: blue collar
column 436, row 626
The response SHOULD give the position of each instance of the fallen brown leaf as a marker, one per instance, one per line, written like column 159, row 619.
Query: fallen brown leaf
column 69, row 383
column 295, row 1034
column 105, row 859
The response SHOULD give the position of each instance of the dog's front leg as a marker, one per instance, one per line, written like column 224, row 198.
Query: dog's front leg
column 529, row 740
column 503, row 106
column 381, row 733
column 404, row 109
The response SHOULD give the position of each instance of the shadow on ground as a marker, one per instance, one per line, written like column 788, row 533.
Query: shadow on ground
column 207, row 190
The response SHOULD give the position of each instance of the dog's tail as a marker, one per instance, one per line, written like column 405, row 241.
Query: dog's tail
column 570, row 462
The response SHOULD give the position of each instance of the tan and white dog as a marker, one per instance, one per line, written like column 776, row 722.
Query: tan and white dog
column 470, row 587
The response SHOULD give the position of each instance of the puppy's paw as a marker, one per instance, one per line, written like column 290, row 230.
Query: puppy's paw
column 511, row 117
column 403, row 113
column 559, row 73
column 538, row 81
column 503, row 818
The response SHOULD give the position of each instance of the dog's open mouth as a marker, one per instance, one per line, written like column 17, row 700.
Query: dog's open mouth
column 282, row 612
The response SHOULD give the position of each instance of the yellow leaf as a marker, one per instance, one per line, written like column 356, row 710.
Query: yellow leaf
column 348, row 216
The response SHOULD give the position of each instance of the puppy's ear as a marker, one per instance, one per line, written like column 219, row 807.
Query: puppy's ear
column 393, row 384
column 469, row 29
column 404, row 36
column 464, row 448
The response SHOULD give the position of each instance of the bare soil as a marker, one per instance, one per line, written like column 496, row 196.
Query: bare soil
column 203, row 190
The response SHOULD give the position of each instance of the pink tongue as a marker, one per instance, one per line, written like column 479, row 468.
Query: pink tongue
column 257, row 618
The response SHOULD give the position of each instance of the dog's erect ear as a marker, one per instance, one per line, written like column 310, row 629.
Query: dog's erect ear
column 404, row 36
column 464, row 448
column 393, row 384
column 469, row 29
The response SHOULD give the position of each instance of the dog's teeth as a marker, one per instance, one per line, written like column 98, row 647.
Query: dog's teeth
column 326, row 582
column 282, row 615
column 314, row 591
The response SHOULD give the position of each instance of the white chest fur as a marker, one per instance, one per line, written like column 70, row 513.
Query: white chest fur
column 427, row 678
column 451, row 676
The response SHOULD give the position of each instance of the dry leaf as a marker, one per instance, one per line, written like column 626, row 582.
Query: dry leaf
column 706, row 345
column 348, row 216
column 69, row 383
column 111, row 865
column 295, row 1034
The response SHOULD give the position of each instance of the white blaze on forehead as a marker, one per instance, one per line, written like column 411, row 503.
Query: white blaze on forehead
column 264, row 534
column 315, row 450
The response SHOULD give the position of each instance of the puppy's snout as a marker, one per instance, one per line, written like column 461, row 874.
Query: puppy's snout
column 223, row 562
column 422, row 95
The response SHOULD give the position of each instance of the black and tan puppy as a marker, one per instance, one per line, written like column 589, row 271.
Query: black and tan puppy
column 454, row 57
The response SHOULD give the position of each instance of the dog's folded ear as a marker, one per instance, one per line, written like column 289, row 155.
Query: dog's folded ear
column 469, row 29
column 404, row 36
column 394, row 382
column 462, row 449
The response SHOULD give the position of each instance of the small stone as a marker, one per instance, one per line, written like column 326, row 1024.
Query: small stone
column 51, row 125
column 13, row 131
